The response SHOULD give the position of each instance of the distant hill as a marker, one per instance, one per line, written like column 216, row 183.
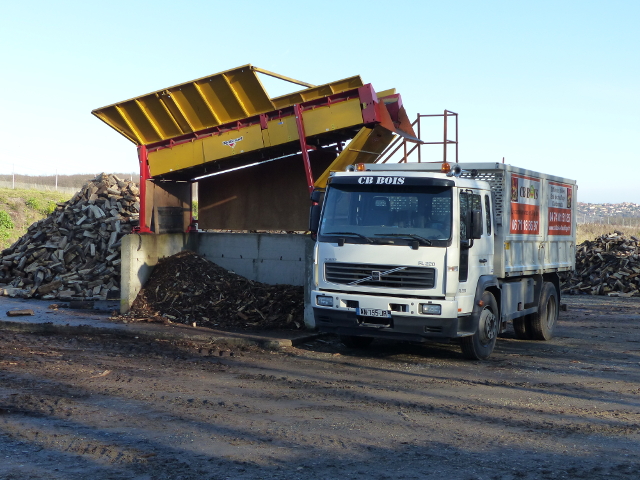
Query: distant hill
column 614, row 213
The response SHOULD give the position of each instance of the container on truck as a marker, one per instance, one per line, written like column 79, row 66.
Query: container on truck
column 441, row 252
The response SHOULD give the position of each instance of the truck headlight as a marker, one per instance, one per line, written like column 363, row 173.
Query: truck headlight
column 324, row 301
column 430, row 309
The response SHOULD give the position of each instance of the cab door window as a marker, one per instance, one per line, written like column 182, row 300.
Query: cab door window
column 468, row 201
column 487, row 205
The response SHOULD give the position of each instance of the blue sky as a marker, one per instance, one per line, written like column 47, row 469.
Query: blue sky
column 549, row 85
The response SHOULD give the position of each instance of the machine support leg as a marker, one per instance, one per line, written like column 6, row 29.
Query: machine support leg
column 303, row 147
column 144, row 176
column 193, row 222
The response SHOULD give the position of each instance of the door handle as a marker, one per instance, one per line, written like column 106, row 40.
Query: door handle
column 483, row 260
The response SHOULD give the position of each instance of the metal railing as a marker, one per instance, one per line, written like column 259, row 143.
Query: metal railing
column 401, row 142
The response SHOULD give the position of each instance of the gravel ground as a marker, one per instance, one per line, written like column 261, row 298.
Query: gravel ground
column 103, row 407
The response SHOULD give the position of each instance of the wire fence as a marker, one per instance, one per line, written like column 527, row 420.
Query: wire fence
column 37, row 186
column 68, row 184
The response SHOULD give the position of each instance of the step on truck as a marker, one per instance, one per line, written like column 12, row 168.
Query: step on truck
column 437, row 252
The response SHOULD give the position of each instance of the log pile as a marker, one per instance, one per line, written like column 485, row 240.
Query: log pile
column 609, row 265
column 75, row 251
column 187, row 288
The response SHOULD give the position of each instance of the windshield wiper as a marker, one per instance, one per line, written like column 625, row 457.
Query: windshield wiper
column 369, row 240
column 406, row 235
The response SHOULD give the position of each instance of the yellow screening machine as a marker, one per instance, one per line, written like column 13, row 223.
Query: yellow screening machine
column 208, row 130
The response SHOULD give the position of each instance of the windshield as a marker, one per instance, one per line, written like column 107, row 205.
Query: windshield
column 378, row 213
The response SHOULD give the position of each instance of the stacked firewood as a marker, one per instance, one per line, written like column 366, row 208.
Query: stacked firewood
column 187, row 288
column 609, row 265
column 75, row 251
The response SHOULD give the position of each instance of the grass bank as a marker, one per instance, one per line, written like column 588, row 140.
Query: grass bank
column 591, row 231
column 20, row 208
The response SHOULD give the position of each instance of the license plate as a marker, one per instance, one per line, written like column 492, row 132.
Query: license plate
column 373, row 312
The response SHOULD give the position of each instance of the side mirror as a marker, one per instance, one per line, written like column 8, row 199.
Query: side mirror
column 476, row 224
column 317, row 196
column 314, row 218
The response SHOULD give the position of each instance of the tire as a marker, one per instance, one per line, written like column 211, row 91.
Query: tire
column 480, row 345
column 543, row 322
column 353, row 341
column 522, row 327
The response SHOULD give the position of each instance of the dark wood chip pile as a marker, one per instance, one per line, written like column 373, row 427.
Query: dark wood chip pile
column 609, row 265
column 187, row 288
column 75, row 251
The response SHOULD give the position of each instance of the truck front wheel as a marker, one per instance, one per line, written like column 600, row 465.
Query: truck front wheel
column 480, row 345
column 543, row 322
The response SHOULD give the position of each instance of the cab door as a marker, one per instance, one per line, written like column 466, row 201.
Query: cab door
column 476, row 255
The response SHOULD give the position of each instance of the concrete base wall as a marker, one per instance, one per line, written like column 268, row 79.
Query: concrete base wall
column 266, row 258
column 140, row 253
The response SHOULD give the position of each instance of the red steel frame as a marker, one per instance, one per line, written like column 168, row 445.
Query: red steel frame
column 144, row 176
column 303, row 147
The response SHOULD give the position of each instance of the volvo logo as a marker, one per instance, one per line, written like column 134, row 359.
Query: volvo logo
column 376, row 275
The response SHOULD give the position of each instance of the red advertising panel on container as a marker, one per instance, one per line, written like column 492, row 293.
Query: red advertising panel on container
column 560, row 198
column 525, row 205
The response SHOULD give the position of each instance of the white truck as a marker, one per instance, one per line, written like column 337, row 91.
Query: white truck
column 423, row 252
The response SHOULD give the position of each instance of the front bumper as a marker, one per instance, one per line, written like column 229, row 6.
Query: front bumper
column 409, row 325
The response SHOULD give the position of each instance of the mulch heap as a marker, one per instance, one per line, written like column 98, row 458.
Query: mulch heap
column 608, row 265
column 187, row 288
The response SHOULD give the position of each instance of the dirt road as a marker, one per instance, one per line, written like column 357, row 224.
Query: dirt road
column 101, row 407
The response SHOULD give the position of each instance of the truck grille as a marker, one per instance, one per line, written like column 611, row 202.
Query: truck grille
column 389, row 276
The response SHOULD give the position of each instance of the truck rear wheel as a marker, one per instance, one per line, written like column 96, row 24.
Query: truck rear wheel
column 480, row 345
column 353, row 341
column 544, row 321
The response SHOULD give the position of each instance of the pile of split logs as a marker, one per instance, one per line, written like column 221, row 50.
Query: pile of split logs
column 609, row 265
column 186, row 288
column 75, row 251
